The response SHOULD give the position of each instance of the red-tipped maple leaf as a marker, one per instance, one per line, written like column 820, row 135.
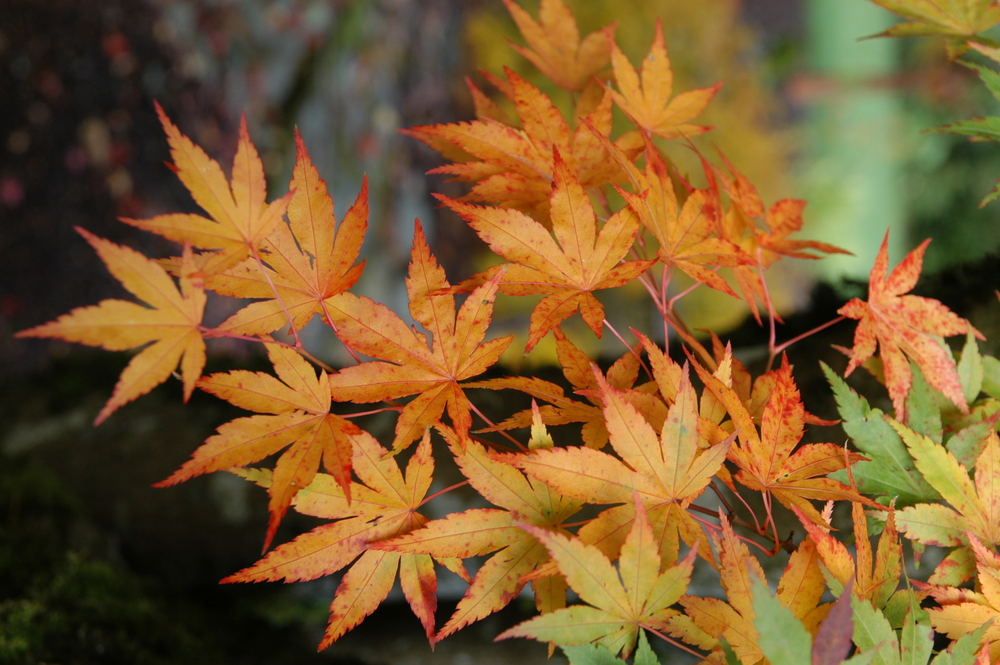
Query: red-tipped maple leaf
column 706, row 620
column 781, row 219
column 566, row 269
column 784, row 218
column 739, row 225
column 668, row 471
column 172, row 322
column 385, row 506
column 875, row 578
column 480, row 531
column 771, row 461
column 410, row 363
column 555, row 46
column 240, row 216
column 648, row 102
column 621, row 602
column 906, row 326
column 300, row 403
column 308, row 260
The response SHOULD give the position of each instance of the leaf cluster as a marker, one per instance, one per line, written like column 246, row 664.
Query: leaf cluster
column 668, row 452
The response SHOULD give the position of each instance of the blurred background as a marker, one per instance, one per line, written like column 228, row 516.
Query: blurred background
column 95, row 562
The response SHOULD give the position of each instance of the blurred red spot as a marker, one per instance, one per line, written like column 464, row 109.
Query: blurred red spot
column 10, row 305
column 114, row 44
column 11, row 191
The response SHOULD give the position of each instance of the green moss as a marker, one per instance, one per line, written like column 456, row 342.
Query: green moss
column 60, row 605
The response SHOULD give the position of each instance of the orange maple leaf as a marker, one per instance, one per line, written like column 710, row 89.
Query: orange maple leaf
column 739, row 225
column 876, row 578
column 480, row 531
column 240, row 216
column 514, row 167
column 906, row 326
column 706, row 620
column 771, row 461
column 784, row 218
column 555, row 46
column 688, row 235
column 668, row 471
column 565, row 269
column 172, row 321
column 648, row 102
column 300, row 402
column 781, row 220
column 410, row 363
column 307, row 261
column 385, row 506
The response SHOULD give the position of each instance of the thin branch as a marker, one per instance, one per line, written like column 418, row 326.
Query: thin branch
column 679, row 645
column 503, row 433
column 772, row 335
column 373, row 412
column 494, row 445
column 214, row 333
column 631, row 350
column 445, row 490
column 785, row 345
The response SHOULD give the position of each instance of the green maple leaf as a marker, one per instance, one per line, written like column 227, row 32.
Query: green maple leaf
column 619, row 603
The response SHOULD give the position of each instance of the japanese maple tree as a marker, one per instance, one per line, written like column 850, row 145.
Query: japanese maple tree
column 679, row 459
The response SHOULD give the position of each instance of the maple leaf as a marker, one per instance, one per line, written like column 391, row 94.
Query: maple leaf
column 554, row 45
column 964, row 611
column 578, row 370
column 307, row 261
column 769, row 461
column 300, row 402
column 914, row 644
column 981, row 128
column 621, row 602
column 410, row 363
column 648, row 102
column 875, row 578
column 240, row 217
column 905, row 326
column 514, row 167
column 739, row 226
column 385, row 506
column 171, row 321
column 667, row 472
column 480, row 531
column 566, row 269
column 708, row 620
column 686, row 235
column 975, row 507
column 782, row 219
column 890, row 470
column 958, row 21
